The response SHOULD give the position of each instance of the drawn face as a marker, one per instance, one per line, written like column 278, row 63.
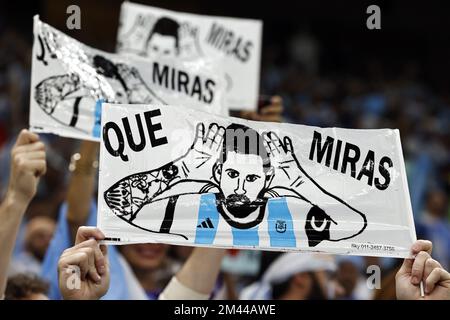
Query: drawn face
column 242, row 182
column 162, row 46
column 120, row 95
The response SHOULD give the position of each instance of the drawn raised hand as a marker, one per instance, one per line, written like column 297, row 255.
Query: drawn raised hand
column 329, row 218
column 287, row 173
column 137, row 90
column 205, row 150
column 188, row 48
column 129, row 195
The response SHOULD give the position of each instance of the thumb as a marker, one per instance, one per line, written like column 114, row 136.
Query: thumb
column 418, row 246
column 86, row 233
column 26, row 137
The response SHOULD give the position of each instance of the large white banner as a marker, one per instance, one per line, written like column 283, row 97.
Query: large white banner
column 69, row 80
column 151, row 32
column 173, row 175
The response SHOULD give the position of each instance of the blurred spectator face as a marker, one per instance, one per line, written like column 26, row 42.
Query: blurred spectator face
column 26, row 287
column 347, row 275
column 38, row 234
column 145, row 256
column 437, row 204
column 303, row 286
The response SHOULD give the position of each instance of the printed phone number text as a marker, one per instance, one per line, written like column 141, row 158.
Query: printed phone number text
column 373, row 247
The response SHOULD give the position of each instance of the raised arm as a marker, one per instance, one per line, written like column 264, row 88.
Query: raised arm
column 330, row 218
column 27, row 165
column 83, row 270
column 191, row 173
column 271, row 110
column 81, row 186
column 198, row 276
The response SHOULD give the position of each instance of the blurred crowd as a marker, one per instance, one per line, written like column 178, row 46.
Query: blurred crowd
column 310, row 96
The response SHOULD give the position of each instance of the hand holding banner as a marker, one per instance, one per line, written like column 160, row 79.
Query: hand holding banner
column 207, row 180
column 70, row 80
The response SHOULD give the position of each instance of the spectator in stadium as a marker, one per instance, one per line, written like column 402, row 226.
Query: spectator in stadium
column 225, row 287
column 295, row 276
column 349, row 275
column 387, row 286
column 195, row 280
column 26, row 287
column 434, row 225
column 37, row 236
column 270, row 109
column 302, row 275
column 150, row 265
column 27, row 166
column 291, row 276
column 137, row 271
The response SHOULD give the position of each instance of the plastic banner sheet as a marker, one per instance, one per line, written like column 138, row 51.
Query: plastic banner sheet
column 174, row 175
column 70, row 81
column 150, row 32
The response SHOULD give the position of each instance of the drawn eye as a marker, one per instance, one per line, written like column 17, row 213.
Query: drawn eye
column 319, row 228
column 251, row 177
column 233, row 174
column 166, row 52
column 155, row 48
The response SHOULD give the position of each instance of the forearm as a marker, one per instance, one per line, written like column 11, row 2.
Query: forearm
column 197, row 277
column 11, row 214
column 81, row 186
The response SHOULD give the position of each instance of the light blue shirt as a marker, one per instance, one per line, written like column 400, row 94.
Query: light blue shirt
column 279, row 224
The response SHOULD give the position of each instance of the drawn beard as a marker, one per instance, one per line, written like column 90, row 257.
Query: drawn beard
column 240, row 207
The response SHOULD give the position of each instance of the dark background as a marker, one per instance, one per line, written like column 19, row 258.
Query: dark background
column 412, row 31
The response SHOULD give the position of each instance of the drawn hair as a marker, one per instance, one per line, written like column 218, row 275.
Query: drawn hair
column 165, row 27
column 244, row 140
column 108, row 69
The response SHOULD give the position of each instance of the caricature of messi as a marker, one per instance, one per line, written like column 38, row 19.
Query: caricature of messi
column 248, row 179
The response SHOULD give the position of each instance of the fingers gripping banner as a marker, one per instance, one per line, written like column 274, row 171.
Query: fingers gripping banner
column 151, row 32
column 70, row 80
column 174, row 175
